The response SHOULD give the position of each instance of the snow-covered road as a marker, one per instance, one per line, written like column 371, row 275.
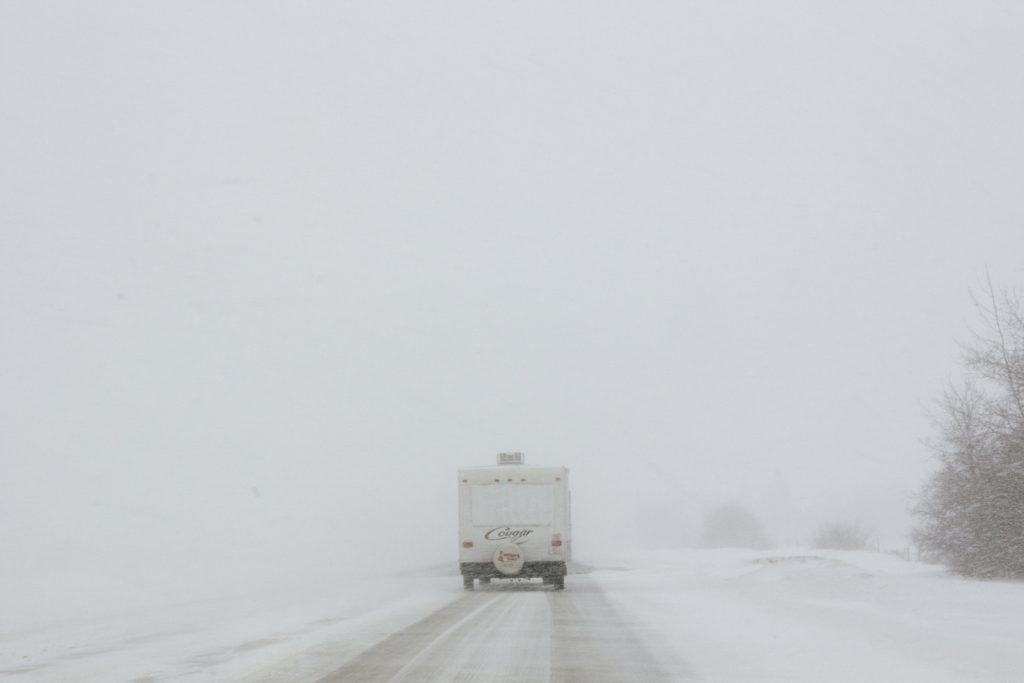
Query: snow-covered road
column 523, row 632
column 713, row 615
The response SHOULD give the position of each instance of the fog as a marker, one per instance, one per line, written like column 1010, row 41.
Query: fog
column 269, row 273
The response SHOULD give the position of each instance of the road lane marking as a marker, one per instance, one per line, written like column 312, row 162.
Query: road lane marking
column 422, row 654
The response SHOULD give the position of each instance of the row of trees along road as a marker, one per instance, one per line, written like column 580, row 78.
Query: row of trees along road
column 971, row 511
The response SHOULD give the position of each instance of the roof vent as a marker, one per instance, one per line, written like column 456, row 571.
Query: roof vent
column 510, row 458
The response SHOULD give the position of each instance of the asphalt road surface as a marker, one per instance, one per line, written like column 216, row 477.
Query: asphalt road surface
column 516, row 632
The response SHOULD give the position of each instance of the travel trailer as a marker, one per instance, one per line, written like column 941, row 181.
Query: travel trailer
column 514, row 522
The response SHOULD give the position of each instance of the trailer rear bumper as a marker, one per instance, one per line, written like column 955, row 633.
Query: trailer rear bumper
column 487, row 570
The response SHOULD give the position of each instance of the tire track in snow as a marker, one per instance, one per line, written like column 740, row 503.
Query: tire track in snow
column 515, row 633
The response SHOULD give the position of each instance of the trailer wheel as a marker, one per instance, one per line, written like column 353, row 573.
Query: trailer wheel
column 467, row 582
column 559, row 582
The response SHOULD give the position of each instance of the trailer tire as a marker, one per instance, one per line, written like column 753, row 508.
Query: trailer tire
column 467, row 582
column 484, row 580
column 559, row 582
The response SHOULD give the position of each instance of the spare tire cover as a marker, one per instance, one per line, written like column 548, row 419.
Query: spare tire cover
column 509, row 559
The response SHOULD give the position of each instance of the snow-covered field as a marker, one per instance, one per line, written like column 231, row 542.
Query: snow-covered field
column 726, row 614
column 823, row 615
column 222, row 638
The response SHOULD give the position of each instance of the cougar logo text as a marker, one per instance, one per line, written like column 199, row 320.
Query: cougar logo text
column 505, row 533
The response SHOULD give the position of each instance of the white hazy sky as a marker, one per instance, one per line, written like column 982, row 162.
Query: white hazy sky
column 269, row 272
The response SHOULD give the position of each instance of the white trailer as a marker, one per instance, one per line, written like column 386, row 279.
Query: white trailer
column 514, row 522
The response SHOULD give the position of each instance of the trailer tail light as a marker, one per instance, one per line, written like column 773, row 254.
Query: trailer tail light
column 556, row 540
column 467, row 544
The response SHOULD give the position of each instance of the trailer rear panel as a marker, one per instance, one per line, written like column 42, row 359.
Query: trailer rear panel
column 514, row 522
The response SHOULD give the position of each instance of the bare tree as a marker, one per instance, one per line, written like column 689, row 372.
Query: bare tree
column 842, row 536
column 972, row 510
column 732, row 526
